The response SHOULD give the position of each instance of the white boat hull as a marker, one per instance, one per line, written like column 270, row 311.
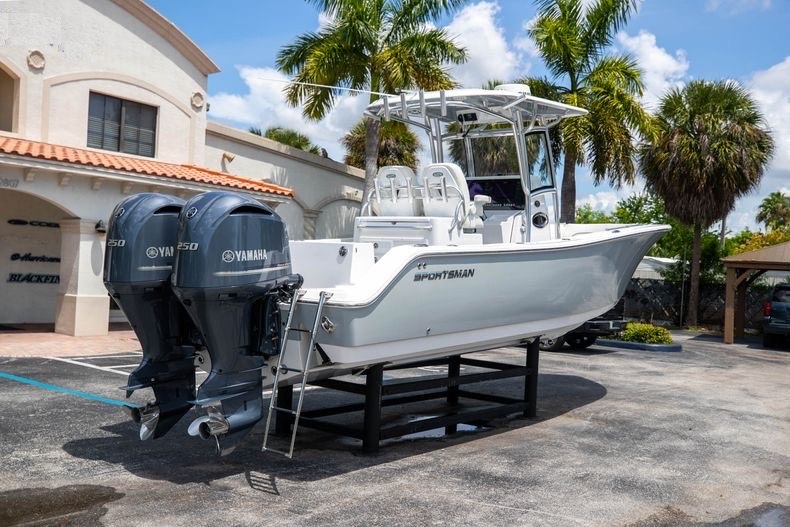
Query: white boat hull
column 438, row 301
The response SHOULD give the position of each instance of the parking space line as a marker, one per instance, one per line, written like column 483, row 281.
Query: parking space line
column 127, row 355
column 68, row 391
column 87, row 365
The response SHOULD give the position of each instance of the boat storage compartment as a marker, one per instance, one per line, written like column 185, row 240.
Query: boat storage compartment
column 331, row 263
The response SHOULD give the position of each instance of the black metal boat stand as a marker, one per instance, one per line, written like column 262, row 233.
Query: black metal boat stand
column 378, row 394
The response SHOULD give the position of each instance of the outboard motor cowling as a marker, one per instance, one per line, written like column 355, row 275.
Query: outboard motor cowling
column 232, row 265
column 141, row 239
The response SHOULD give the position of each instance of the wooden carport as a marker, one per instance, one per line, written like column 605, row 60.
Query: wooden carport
column 742, row 270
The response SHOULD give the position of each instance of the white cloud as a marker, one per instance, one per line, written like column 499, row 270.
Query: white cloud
column 734, row 7
column 525, row 46
column 605, row 201
column 489, row 57
column 771, row 89
column 264, row 105
column 661, row 69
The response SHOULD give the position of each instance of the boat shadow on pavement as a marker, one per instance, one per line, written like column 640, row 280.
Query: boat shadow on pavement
column 180, row 459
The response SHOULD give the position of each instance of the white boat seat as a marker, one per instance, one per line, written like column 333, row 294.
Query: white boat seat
column 446, row 195
column 395, row 191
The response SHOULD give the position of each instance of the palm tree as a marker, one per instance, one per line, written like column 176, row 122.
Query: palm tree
column 398, row 145
column 712, row 147
column 573, row 41
column 774, row 211
column 288, row 137
column 381, row 46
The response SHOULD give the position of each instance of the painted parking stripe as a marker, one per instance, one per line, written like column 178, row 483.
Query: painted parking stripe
column 68, row 391
column 130, row 355
column 88, row 365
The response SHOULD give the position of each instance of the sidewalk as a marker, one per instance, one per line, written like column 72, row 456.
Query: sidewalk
column 42, row 341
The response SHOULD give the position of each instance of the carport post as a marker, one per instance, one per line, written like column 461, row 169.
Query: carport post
column 740, row 307
column 729, row 306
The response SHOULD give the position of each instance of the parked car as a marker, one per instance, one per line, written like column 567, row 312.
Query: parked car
column 610, row 323
column 776, row 316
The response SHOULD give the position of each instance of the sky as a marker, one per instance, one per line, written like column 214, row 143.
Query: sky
column 673, row 41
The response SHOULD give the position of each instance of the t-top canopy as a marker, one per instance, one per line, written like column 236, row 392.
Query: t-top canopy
column 473, row 106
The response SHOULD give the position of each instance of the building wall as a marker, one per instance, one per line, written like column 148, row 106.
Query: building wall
column 326, row 191
column 95, row 44
column 29, row 288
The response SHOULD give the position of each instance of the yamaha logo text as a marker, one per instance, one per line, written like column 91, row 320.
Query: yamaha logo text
column 249, row 255
column 159, row 252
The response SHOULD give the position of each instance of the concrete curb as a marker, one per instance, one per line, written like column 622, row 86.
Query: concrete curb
column 640, row 346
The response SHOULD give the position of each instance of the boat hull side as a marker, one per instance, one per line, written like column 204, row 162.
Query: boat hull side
column 453, row 303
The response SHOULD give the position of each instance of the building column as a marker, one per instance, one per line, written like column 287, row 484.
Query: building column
column 83, row 306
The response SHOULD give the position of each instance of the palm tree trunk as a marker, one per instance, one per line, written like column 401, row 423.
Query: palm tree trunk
column 723, row 235
column 372, row 129
column 568, row 210
column 696, row 255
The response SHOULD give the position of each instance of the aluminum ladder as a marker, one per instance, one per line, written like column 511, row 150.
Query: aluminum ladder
column 283, row 368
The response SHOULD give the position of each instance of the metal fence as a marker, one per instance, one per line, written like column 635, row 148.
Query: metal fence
column 663, row 303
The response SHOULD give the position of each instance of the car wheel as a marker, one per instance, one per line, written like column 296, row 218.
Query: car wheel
column 582, row 341
column 554, row 344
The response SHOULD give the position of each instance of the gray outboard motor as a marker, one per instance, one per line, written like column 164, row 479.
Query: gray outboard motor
column 233, row 263
column 141, row 240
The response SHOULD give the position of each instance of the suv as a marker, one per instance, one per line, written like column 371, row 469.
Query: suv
column 776, row 316
column 584, row 336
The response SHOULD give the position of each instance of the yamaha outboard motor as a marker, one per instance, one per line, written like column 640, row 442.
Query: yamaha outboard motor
column 233, row 262
column 141, row 240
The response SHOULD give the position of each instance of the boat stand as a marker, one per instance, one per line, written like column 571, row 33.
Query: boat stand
column 378, row 394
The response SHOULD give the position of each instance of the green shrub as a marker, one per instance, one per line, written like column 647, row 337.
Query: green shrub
column 646, row 334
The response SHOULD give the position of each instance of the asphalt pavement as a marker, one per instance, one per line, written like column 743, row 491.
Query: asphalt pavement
column 622, row 437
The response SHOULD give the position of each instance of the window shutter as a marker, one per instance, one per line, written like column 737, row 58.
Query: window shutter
column 104, row 119
column 121, row 126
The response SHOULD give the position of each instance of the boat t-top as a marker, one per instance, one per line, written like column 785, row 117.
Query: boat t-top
column 466, row 253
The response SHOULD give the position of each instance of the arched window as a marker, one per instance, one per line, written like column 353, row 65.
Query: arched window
column 9, row 95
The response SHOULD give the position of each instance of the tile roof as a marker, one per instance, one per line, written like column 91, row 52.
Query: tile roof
column 149, row 167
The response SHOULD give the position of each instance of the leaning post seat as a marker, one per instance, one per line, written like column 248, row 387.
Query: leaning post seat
column 395, row 194
column 232, row 264
column 446, row 195
column 141, row 241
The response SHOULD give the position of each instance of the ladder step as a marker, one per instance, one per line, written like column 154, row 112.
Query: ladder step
column 286, row 410
column 281, row 452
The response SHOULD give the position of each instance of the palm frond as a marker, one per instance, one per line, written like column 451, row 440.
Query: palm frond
column 602, row 22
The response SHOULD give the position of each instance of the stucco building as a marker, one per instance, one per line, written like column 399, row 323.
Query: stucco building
column 100, row 99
